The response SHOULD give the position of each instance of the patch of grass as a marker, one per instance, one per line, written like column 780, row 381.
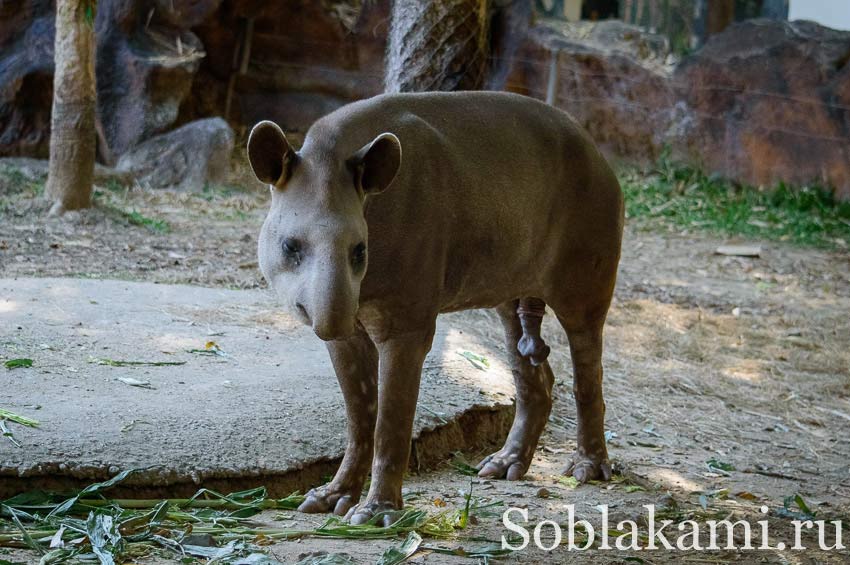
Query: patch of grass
column 110, row 202
column 212, row 192
column 15, row 181
column 153, row 224
column 684, row 197
column 114, row 185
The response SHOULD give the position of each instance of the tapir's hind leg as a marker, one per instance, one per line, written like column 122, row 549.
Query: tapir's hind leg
column 533, row 403
column 590, row 460
column 355, row 361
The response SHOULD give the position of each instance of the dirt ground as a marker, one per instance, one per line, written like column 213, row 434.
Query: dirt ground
column 741, row 361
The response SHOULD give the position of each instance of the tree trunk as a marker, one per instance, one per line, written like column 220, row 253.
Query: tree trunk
column 721, row 13
column 72, row 135
column 437, row 45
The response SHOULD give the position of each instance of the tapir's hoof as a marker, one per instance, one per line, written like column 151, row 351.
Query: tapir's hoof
column 382, row 514
column 584, row 468
column 328, row 498
column 505, row 464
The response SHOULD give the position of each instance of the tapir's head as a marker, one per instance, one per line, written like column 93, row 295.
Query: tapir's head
column 313, row 247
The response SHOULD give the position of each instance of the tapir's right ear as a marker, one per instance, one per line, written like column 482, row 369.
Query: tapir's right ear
column 270, row 154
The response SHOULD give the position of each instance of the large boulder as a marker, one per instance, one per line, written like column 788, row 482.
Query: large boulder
column 146, row 61
column 768, row 101
column 612, row 77
column 185, row 159
column 762, row 102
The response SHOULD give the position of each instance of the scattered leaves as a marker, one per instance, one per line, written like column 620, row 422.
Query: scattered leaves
column 113, row 531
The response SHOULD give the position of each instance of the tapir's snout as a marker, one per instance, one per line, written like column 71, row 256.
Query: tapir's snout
column 332, row 324
column 333, row 309
column 333, row 331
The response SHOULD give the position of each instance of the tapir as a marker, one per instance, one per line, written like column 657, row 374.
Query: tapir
column 404, row 206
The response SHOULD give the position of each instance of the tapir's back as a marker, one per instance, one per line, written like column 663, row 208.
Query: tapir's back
column 486, row 179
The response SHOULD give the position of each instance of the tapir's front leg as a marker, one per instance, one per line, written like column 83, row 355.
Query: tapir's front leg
column 355, row 361
column 401, row 359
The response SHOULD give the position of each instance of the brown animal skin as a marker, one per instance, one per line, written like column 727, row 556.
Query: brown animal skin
column 497, row 198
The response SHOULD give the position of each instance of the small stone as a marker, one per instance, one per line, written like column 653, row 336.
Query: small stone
column 543, row 492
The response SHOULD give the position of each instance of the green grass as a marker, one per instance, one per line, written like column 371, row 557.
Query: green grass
column 110, row 204
column 153, row 224
column 14, row 184
column 684, row 198
column 670, row 197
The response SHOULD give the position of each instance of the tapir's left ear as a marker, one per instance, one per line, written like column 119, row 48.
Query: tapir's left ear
column 376, row 164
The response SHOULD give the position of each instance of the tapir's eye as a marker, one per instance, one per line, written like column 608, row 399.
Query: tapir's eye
column 292, row 248
column 358, row 254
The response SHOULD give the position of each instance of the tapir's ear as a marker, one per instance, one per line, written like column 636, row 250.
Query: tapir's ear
column 270, row 154
column 376, row 164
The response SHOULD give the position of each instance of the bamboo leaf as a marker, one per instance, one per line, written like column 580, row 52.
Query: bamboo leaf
column 5, row 414
column 400, row 554
column 91, row 489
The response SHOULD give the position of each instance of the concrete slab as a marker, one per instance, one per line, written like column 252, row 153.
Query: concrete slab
column 268, row 412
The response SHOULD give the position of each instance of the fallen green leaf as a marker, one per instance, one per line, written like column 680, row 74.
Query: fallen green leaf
column 460, row 464
column 91, row 489
column 135, row 382
column 5, row 414
column 121, row 363
column 718, row 466
column 328, row 559
column 568, row 480
column 104, row 537
column 210, row 348
column 400, row 554
column 805, row 513
column 18, row 364
column 256, row 559
column 477, row 361
column 8, row 433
